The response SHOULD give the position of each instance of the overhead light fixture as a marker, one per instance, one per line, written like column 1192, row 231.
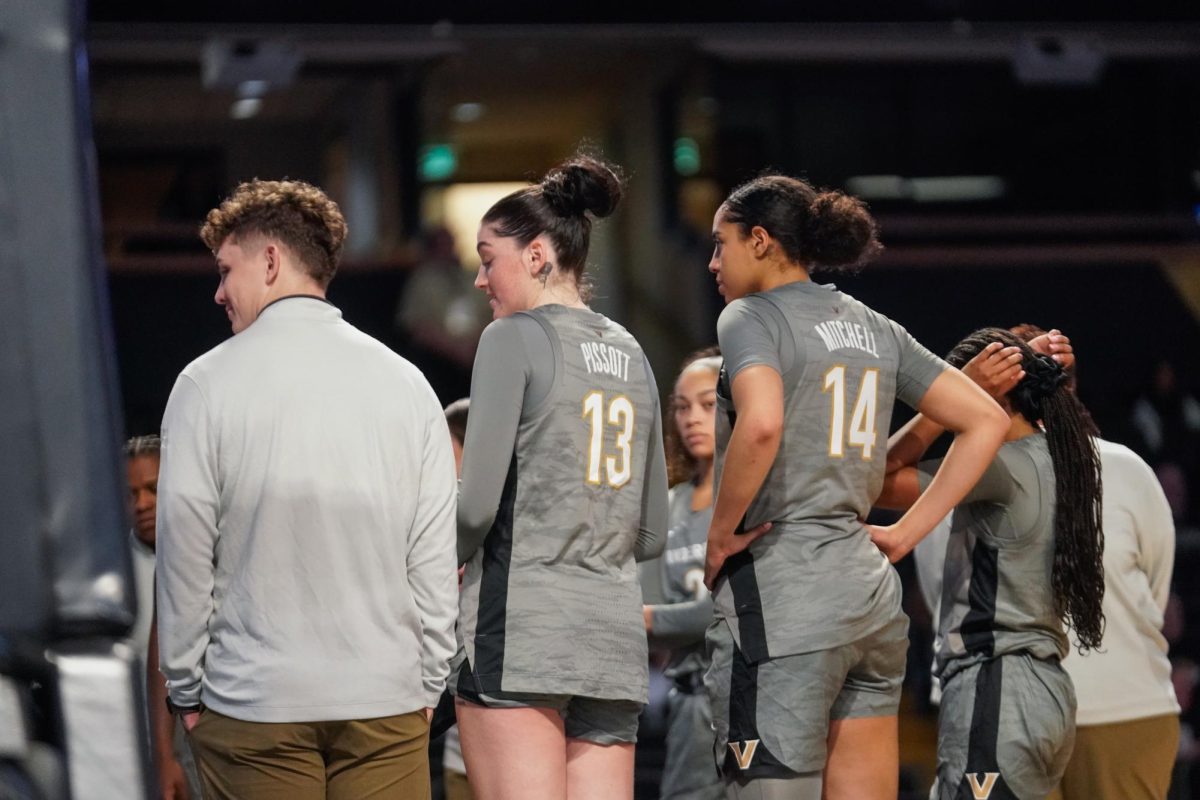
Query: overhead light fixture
column 467, row 112
column 958, row 188
column 944, row 189
column 878, row 187
column 252, row 63
column 1056, row 60
column 245, row 108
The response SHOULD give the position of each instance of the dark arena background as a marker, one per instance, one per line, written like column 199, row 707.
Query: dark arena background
column 1026, row 162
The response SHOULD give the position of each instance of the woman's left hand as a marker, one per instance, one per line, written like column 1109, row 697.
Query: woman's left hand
column 889, row 541
column 723, row 547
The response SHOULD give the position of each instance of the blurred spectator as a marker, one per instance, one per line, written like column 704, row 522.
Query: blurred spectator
column 1166, row 422
column 443, row 314
column 454, row 769
column 177, row 779
column 1175, row 486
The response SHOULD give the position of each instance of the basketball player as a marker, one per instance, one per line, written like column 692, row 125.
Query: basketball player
column 1023, row 557
column 809, row 643
column 679, row 606
column 563, row 487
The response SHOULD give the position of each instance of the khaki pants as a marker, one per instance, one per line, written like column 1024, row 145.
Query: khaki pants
column 456, row 786
column 1121, row 761
column 346, row 760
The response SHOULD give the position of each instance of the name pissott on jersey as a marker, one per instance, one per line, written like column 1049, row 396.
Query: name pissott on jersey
column 604, row 359
column 838, row 334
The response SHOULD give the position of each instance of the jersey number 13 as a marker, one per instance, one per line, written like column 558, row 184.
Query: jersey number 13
column 619, row 414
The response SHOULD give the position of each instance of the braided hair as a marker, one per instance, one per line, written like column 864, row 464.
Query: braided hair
column 1044, row 396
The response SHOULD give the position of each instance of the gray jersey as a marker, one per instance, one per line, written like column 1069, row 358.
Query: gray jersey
column 674, row 585
column 996, row 590
column 816, row 581
column 550, row 601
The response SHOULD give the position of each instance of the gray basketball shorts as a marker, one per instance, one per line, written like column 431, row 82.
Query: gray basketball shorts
column 592, row 719
column 772, row 717
column 1005, row 730
column 688, row 769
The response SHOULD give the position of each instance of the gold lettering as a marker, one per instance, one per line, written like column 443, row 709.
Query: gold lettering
column 743, row 752
column 982, row 791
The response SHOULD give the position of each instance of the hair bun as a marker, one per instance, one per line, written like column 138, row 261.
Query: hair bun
column 840, row 230
column 1043, row 375
column 580, row 185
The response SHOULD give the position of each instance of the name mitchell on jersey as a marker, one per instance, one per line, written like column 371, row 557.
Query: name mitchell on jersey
column 837, row 334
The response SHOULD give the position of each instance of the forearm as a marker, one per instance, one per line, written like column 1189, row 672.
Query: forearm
column 650, row 578
column 188, row 510
column 185, row 607
column 954, row 402
column 961, row 469
column 430, row 560
column 433, row 580
column 907, row 445
column 185, row 577
column 162, row 723
column 748, row 459
column 681, row 624
column 652, row 534
column 901, row 489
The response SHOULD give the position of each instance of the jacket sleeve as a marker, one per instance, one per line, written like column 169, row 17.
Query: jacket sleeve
column 432, row 577
column 188, row 503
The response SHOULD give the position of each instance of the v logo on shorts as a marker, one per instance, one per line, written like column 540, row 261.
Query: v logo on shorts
column 982, row 791
column 744, row 752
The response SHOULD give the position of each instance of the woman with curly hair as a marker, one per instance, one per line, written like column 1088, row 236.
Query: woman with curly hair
column 1024, row 558
column 809, row 642
column 679, row 607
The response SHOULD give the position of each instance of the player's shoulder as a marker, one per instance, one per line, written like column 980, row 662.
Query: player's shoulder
column 749, row 304
column 750, row 313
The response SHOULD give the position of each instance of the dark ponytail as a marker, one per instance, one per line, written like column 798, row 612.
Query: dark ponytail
column 559, row 206
column 821, row 230
column 1044, row 395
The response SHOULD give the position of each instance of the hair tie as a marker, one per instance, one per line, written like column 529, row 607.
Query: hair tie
column 1043, row 376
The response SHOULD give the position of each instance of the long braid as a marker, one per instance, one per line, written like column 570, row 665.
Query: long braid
column 1044, row 395
column 1078, row 576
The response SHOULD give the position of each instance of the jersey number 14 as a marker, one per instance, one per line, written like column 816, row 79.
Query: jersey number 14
column 862, row 418
column 617, row 468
